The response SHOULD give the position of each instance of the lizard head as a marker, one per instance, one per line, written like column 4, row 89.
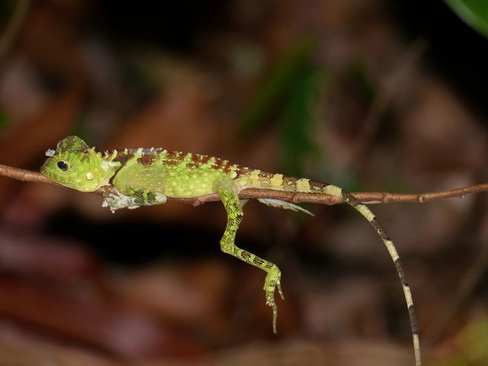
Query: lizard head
column 75, row 165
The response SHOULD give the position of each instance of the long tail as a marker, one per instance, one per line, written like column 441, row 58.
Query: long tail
column 318, row 187
column 259, row 179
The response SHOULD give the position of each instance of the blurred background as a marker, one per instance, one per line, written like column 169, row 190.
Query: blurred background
column 371, row 95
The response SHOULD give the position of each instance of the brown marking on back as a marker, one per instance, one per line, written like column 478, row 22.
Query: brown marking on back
column 122, row 156
column 218, row 164
column 173, row 158
column 290, row 183
column 226, row 166
column 265, row 177
column 240, row 170
column 197, row 160
column 146, row 159
column 317, row 187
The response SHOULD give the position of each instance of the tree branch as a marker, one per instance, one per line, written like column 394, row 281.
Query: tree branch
column 23, row 175
column 324, row 199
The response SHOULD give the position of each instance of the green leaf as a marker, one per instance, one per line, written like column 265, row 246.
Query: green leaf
column 298, row 120
column 473, row 12
column 276, row 87
column 289, row 96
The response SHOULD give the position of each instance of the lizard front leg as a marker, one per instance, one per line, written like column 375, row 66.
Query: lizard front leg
column 114, row 199
column 229, row 197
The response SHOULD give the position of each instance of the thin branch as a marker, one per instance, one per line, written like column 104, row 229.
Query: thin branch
column 324, row 199
column 23, row 175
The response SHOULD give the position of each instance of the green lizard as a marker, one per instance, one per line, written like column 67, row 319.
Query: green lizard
column 140, row 177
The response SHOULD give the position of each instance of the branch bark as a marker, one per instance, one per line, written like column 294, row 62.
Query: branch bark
column 324, row 199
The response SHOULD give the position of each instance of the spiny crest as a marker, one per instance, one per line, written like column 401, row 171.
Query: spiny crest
column 108, row 154
column 147, row 156
column 144, row 155
column 200, row 161
column 71, row 143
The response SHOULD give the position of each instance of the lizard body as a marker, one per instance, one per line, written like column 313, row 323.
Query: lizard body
column 143, row 177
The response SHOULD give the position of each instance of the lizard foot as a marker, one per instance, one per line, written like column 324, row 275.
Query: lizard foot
column 271, row 283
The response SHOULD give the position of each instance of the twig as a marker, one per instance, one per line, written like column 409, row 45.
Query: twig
column 23, row 175
column 324, row 199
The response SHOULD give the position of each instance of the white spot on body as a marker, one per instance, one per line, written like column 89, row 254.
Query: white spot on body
column 105, row 165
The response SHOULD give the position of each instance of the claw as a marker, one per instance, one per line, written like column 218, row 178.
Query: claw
column 278, row 284
column 270, row 286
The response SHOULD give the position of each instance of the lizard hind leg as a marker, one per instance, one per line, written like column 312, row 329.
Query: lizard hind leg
column 230, row 199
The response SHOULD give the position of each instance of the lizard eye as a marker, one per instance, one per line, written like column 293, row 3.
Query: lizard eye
column 62, row 165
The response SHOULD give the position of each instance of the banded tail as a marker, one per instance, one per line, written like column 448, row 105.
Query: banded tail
column 258, row 179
